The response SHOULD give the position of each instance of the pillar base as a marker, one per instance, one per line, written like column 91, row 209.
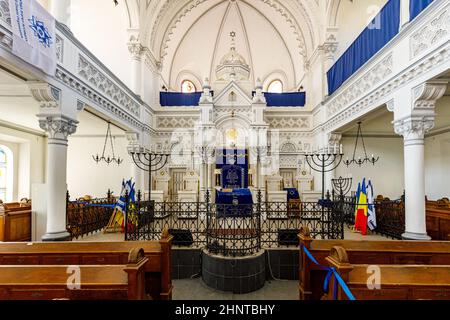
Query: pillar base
column 415, row 236
column 57, row 236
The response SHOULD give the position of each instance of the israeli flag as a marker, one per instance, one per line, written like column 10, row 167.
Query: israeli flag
column 371, row 216
column 34, row 34
column 126, row 187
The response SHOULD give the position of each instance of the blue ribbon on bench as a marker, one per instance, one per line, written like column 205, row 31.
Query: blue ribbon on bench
column 87, row 204
column 331, row 271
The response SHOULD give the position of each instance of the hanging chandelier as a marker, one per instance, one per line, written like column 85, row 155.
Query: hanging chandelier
column 108, row 159
column 360, row 161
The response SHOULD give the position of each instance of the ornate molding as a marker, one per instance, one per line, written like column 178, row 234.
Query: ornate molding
column 430, row 62
column 334, row 138
column 135, row 47
column 414, row 127
column 361, row 86
column 426, row 95
column 289, row 122
column 94, row 76
column 176, row 122
column 85, row 91
column 430, row 34
column 48, row 96
column 4, row 12
column 57, row 127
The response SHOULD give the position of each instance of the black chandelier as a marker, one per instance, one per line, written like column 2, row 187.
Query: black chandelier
column 108, row 159
column 360, row 161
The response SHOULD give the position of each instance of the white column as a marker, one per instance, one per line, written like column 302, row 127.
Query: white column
column 58, row 129
column 136, row 49
column 60, row 9
column 413, row 130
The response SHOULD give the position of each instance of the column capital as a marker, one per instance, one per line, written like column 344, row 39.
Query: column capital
column 135, row 47
column 58, row 127
column 334, row 138
column 414, row 127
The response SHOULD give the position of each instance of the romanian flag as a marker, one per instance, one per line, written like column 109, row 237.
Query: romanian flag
column 362, row 210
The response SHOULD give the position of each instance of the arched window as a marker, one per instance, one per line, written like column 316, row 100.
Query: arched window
column 3, row 174
column 188, row 86
column 276, row 86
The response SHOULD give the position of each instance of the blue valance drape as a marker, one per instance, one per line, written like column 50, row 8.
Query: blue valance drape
column 178, row 99
column 289, row 99
column 416, row 7
column 368, row 43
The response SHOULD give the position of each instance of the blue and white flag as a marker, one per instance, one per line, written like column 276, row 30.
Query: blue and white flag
column 34, row 34
column 371, row 216
column 126, row 187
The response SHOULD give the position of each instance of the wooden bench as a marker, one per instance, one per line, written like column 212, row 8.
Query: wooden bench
column 95, row 282
column 311, row 277
column 438, row 219
column 15, row 221
column 157, row 269
column 397, row 282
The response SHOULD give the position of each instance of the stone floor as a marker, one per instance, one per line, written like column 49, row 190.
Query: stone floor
column 196, row 289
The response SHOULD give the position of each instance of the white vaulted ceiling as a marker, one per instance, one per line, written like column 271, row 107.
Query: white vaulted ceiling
column 190, row 37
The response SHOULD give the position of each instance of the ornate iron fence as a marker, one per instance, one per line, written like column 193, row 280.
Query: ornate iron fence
column 390, row 214
column 86, row 216
column 234, row 230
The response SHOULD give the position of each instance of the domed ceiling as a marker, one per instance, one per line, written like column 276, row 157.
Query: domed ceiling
column 190, row 38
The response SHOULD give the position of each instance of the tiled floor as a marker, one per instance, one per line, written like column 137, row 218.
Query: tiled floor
column 196, row 289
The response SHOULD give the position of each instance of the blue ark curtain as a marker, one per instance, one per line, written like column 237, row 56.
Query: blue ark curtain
column 290, row 99
column 416, row 7
column 227, row 160
column 178, row 99
column 369, row 42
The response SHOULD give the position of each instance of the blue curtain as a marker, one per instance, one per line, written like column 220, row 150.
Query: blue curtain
column 291, row 99
column 416, row 7
column 369, row 42
column 178, row 99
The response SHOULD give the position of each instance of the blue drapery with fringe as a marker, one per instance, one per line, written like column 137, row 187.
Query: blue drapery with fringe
column 380, row 31
column 416, row 7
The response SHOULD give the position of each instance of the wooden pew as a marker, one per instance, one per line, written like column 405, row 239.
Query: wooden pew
column 438, row 219
column 363, row 252
column 15, row 221
column 157, row 269
column 96, row 282
column 397, row 282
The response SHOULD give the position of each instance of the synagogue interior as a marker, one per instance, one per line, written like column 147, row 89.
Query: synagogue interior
column 225, row 149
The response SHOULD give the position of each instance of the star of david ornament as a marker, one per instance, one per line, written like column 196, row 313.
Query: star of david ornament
column 40, row 31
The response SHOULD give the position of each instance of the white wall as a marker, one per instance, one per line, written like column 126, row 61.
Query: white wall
column 102, row 28
column 85, row 176
column 353, row 17
column 387, row 174
column 437, row 166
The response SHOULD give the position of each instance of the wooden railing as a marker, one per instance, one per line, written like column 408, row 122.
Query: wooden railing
column 86, row 216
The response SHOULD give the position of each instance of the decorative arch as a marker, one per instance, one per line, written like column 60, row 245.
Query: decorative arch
column 190, row 76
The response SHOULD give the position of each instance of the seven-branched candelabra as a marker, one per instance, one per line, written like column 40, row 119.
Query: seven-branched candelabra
column 324, row 160
column 149, row 161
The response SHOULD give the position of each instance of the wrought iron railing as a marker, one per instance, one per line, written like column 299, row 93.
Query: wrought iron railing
column 87, row 216
column 234, row 230
column 390, row 214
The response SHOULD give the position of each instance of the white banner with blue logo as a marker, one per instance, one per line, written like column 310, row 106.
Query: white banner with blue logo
column 34, row 34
